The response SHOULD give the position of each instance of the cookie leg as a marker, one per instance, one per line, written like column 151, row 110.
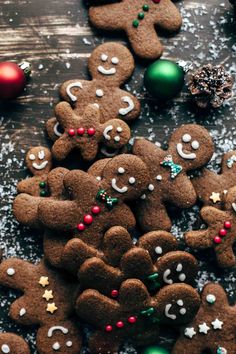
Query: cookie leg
column 145, row 42
column 53, row 245
column 187, row 346
column 100, row 343
column 89, row 151
column 198, row 239
column 62, row 147
column 152, row 217
column 225, row 257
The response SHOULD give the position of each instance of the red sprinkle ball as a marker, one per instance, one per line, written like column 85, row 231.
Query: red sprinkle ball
column 132, row 319
column 80, row 131
column 222, row 232
column 81, row 227
column 156, row 1
column 217, row 240
column 88, row 219
column 109, row 328
column 114, row 293
column 120, row 324
column 96, row 209
column 227, row 224
column 71, row 132
column 91, row 131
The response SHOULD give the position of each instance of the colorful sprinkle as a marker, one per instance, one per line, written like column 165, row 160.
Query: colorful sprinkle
column 141, row 16
column 91, row 131
column 109, row 328
column 96, row 209
column 132, row 319
column 120, row 324
column 88, row 219
column 136, row 23
column 81, row 227
column 114, row 293
column 217, row 240
column 71, row 132
column 227, row 224
column 145, row 7
column 80, row 131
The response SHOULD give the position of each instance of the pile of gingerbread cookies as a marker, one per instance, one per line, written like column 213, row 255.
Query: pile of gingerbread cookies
column 94, row 271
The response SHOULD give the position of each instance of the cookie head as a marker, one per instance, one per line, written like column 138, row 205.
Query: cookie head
column 39, row 160
column 111, row 62
column 116, row 133
column 126, row 176
column 193, row 145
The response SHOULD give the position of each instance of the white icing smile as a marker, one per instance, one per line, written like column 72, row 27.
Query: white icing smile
column 69, row 87
column 234, row 206
column 186, row 156
column 107, row 130
column 129, row 101
column 102, row 70
column 167, row 312
column 119, row 190
column 56, row 130
column 182, row 310
column 40, row 166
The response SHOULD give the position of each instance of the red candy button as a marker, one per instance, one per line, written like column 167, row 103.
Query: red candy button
column 80, row 131
column 81, row 227
column 91, row 131
column 88, row 219
column 71, row 132
column 217, row 240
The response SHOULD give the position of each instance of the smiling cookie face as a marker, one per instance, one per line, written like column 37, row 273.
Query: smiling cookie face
column 111, row 62
column 126, row 175
column 39, row 160
column 116, row 133
column 192, row 145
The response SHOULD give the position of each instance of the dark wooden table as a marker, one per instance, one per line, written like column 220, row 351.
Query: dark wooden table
column 56, row 38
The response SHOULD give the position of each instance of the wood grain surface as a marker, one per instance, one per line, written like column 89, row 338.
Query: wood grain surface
column 55, row 36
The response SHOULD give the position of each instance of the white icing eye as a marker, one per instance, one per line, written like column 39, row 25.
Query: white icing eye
column 10, row 271
column 96, row 105
column 56, row 346
column 117, row 138
column 182, row 277
column 22, row 312
column 158, row 250
column 104, row 57
column 182, row 311
column 32, row 157
column 179, row 267
column 41, row 155
column 99, row 93
column 132, row 180
column 158, row 177
column 115, row 60
column 121, row 170
column 211, row 299
column 98, row 178
column 143, row 196
column 195, row 145
column 5, row 349
column 69, row 343
column 186, row 138
column 151, row 187
column 180, row 302
column 119, row 129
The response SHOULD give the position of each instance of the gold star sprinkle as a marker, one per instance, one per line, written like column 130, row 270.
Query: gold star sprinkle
column 51, row 308
column 48, row 295
column 43, row 281
column 215, row 197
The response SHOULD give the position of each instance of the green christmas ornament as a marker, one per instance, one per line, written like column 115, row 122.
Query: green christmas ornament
column 155, row 350
column 164, row 79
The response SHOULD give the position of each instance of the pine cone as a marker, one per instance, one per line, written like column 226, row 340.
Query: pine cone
column 210, row 86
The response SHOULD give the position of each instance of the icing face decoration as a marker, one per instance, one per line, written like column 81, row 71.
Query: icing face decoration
column 185, row 154
column 109, row 68
column 57, row 346
column 39, row 161
column 166, row 276
column 171, row 315
column 110, row 129
column 211, row 299
column 122, row 189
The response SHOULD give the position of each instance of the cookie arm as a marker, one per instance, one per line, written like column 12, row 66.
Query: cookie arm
column 65, row 115
column 23, row 314
column 25, row 210
column 128, row 103
column 152, row 217
column 16, row 273
column 62, row 147
column 145, row 41
column 108, row 17
column 168, row 17
column 212, row 215
column 198, row 239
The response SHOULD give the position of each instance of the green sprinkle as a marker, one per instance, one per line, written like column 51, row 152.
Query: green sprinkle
column 145, row 7
column 42, row 184
column 43, row 194
column 141, row 15
column 136, row 23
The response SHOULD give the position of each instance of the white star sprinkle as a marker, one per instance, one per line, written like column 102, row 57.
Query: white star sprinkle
column 203, row 328
column 189, row 332
column 217, row 324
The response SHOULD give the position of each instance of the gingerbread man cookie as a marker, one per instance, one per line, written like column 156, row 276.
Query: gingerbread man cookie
column 47, row 301
column 110, row 65
column 221, row 232
column 214, row 328
column 39, row 162
column 190, row 147
column 136, row 315
column 13, row 344
column 138, row 18
column 95, row 206
column 120, row 260
column 86, row 133
column 25, row 206
column 212, row 187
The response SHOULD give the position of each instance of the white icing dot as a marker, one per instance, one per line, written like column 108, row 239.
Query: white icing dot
column 158, row 177
column 98, row 178
column 99, row 93
column 56, row 346
column 182, row 277
column 143, row 196
column 121, row 170
column 115, row 60
column 195, row 145
column 96, row 105
column 10, row 271
column 210, row 298
column 182, row 311
column 22, row 312
column 32, row 157
column 119, row 129
column 151, row 187
column 117, row 138
column 132, row 180
column 104, row 57
column 69, row 343
column 186, row 138
column 179, row 267
column 5, row 348
column 180, row 302
column 158, row 250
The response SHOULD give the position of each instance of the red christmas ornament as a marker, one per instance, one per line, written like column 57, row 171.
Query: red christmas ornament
column 91, row 131
column 88, row 219
column 227, row 224
column 12, row 79
column 80, row 131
